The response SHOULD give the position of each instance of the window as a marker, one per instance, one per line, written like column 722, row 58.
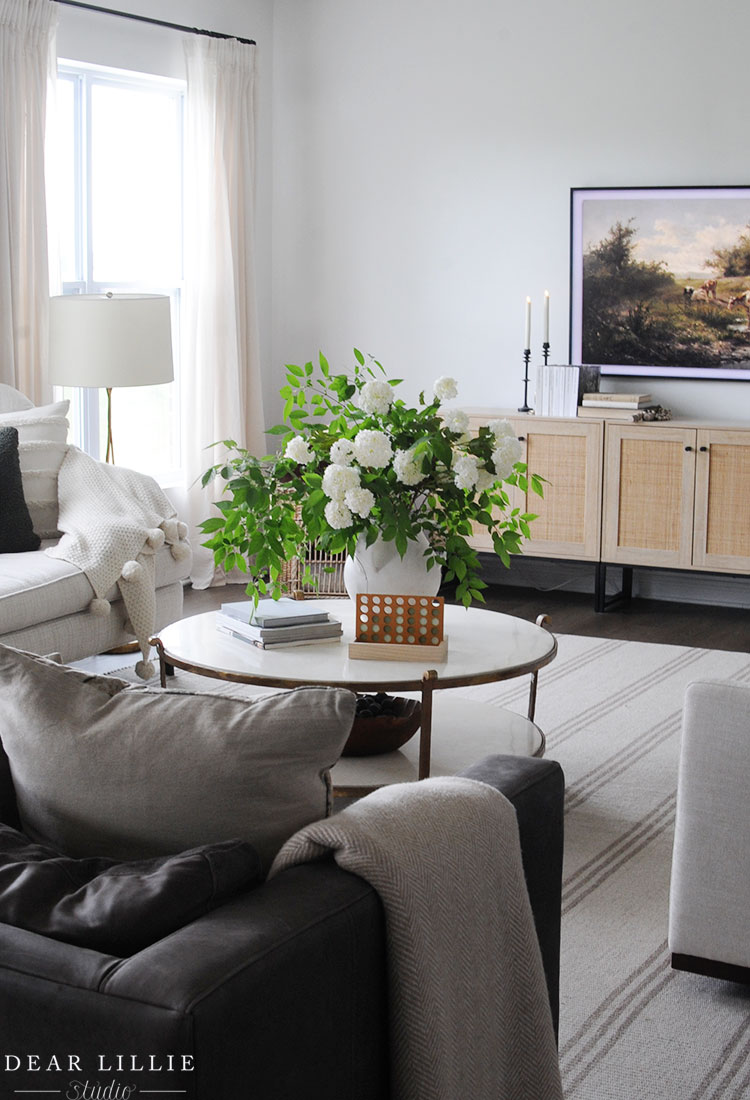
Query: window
column 118, row 210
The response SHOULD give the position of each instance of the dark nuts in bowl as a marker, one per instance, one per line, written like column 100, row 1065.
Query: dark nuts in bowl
column 382, row 724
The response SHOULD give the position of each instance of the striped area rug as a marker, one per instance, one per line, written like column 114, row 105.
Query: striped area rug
column 630, row 1027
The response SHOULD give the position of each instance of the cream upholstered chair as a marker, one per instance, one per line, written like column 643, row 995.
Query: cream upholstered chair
column 709, row 911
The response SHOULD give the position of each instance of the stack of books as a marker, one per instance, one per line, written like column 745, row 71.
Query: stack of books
column 277, row 624
column 616, row 406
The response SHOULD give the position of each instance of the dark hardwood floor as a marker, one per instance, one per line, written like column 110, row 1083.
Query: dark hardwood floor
column 700, row 625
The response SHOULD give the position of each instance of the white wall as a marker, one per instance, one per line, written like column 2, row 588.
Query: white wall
column 424, row 152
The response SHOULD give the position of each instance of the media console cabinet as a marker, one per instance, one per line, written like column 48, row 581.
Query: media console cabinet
column 671, row 494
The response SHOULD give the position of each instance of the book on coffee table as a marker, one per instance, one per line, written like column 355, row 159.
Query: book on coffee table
column 259, row 644
column 274, row 613
column 330, row 628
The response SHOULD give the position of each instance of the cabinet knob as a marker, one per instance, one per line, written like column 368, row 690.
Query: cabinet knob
column 703, row 448
column 688, row 448
column 522, row 439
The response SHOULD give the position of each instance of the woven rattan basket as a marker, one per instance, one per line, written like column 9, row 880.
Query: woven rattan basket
column 327, row 569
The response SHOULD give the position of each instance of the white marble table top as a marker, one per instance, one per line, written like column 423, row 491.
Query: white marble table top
column 483, row 646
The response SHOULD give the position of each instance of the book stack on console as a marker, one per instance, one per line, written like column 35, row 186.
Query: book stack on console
column 277, row 624
column 631, row 407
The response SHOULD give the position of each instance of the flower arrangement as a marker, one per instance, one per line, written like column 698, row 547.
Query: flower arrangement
column 356, row 461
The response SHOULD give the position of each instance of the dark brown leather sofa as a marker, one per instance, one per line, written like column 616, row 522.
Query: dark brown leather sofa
column 277, row 994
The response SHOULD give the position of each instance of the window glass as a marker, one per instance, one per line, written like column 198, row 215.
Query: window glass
column 135, row 186
column 118, row 178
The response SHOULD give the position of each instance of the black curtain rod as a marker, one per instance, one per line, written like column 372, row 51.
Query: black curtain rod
column 156, row 22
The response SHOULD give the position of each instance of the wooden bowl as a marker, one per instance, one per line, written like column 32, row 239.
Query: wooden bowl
column 372, row 735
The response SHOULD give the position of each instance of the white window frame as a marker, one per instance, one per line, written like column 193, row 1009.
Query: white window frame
column 85, row 406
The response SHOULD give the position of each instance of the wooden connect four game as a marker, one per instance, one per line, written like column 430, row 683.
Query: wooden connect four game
column 399, row 620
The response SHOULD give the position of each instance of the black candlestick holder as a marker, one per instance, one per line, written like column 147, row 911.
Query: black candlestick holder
column 545, row 352
column 526, row 408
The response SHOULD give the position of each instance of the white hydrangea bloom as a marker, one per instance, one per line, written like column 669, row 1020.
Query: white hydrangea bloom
column 500, row 429
column 299, row 450
column 372, row 448
column 466, row 471
column 506, row 455
column 338, row 479
column 485, row 480
column 375, row 397
column 445, row 389
column 456, row 420
column 407, row 470
column 360, row 501
column 342, row 452
column 338, row 515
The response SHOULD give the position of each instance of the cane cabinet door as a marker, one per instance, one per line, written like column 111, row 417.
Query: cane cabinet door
column 649, row 475
column 722, row 501
column 568, row 454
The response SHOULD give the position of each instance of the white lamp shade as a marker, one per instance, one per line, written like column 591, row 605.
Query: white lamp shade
column 103, row 340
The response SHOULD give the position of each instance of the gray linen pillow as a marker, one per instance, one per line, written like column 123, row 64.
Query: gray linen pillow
column 102, row 768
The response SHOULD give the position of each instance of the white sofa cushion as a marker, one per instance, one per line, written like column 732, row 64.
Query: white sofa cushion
column 35, row 588
column 103, row 769
column 42, row 442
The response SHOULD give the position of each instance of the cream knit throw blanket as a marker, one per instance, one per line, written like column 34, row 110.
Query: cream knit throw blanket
column 113, row 521
column 469, row 1013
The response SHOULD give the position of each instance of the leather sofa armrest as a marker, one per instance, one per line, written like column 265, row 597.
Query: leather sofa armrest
column 537, row 790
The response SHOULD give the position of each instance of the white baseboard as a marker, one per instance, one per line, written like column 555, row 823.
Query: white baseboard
column 716, row 589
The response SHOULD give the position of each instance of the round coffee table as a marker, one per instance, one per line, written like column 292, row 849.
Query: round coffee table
column 483, row 647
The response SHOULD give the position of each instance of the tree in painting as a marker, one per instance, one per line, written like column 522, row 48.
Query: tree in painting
column 639, row 313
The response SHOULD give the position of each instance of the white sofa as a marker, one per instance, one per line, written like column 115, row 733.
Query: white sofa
column 45, row 602
column 710, row 882
column 44, row 605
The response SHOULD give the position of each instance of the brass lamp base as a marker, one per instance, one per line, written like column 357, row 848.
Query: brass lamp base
column 110, row 456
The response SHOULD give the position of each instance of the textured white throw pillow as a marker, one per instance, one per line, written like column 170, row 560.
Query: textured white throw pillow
column 105, row 769
column 12, row 399
column 42, row 441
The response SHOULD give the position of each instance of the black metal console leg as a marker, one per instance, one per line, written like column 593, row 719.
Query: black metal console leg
column 600, row 587
column 602, row 602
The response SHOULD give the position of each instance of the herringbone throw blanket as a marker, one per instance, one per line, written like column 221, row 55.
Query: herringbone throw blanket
column 469, row 1014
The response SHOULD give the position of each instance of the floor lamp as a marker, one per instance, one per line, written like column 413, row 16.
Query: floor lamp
column 108, row 340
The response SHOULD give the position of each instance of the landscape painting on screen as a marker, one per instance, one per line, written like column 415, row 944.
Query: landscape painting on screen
column 660, row 281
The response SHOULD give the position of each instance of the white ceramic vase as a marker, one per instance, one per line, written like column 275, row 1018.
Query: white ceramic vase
column 380, row 568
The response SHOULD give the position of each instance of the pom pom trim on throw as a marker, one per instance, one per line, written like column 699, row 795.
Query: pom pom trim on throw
column 169, row 527
column 145, row 670
column 155, row 538
column 99, row 607
column 132, row 570
column 182, row 529
column 179, row 551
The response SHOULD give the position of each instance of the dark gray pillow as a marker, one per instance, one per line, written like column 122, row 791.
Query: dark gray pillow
column 16, row 529
column 116, row 908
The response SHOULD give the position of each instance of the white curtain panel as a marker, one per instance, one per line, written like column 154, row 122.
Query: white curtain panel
column 27, row 32
column 221, row 381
